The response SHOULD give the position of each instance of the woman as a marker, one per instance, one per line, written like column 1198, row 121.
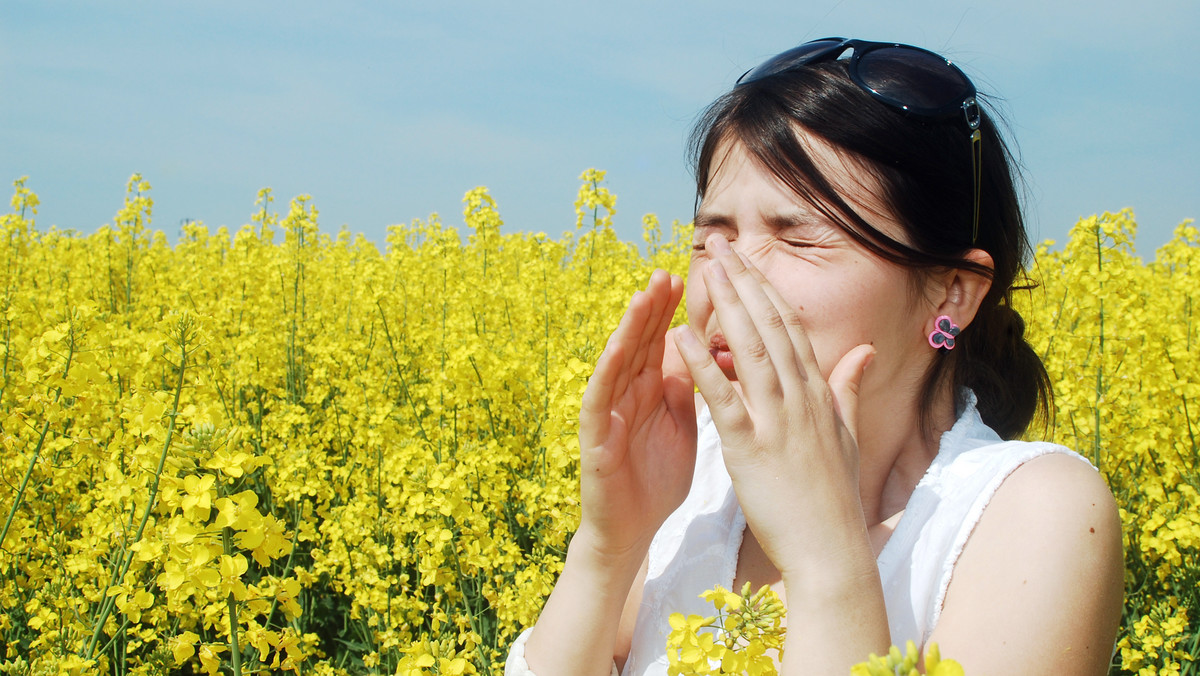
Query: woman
column 859, row 367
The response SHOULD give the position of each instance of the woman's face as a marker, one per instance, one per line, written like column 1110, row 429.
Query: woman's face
column 845, row 295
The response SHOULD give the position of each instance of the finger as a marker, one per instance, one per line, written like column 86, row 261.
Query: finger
column 637, row 341
column 806, row 358
column 726, row 406
column 614, row 361
column 660, row 301
column 762, row 350
column 658, row 293
column 845, row 384
column 595, row 409
column 678, row 387
column 595, row 423
column 679, row 390
column 672, row 361
column 670, row 287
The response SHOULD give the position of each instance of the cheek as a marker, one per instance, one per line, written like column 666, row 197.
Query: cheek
column 839, row 317
column 696, row 300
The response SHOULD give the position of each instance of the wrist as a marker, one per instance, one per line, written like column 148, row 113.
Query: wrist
column 836, row 616
column 844, row 559
column 832, row 575
column 578, row 629
column 589, row 551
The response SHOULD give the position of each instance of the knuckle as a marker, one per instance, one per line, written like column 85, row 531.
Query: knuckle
column 821, row 397
column 791, row 319
column 757, row 351
column 773, row 321
column 724, row 398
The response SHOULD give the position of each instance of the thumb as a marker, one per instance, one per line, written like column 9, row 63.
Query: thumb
column 673, row 364
column 844, row 384
column 678, row 387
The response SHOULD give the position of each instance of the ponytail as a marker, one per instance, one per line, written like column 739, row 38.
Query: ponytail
column 1006, row 374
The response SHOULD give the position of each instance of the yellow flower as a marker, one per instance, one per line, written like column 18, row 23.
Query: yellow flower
column 198, row 501
column 183, row 646
column 408, row 417
column 238, row 512
column 210, row 658
column 936, row 666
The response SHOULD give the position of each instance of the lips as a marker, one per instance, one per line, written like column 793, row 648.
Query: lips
column 719, row 349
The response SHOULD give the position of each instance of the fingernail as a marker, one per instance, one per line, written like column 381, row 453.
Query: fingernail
column 717, row 271
column 687, row 343
column 870, row 358
column 684, row 336
column 719, row 244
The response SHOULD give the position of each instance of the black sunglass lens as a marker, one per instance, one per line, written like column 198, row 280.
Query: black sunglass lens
column 796, row 56
column 914, row 79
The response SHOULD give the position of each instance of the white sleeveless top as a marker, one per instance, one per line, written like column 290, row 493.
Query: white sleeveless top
column 697, row 546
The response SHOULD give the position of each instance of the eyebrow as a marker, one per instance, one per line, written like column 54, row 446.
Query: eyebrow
column 705, row 219
column 778, row 221
column 795, row 219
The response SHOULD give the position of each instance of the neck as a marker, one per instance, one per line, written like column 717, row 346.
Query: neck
column 895, row 451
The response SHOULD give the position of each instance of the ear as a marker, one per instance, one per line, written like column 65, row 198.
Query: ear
column 958, row 293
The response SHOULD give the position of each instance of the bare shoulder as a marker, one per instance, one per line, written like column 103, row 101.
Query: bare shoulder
column 1038, row 587
column 1055, row 491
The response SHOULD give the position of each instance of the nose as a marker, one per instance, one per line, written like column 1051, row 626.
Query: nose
column 751, row 247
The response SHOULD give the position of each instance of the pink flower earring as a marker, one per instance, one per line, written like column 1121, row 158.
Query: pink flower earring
column 943, row 336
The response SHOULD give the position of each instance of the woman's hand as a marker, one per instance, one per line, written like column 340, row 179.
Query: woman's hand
column 788, row 438
column 637, row 437
column 788, row 435
column 637, row 429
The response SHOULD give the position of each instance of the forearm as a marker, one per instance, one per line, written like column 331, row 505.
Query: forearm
column 835, row 613
column 577, row 630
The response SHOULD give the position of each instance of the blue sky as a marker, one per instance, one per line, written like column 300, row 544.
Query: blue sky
column 387, row 112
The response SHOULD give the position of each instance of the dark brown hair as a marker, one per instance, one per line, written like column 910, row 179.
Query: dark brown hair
column 924, row 167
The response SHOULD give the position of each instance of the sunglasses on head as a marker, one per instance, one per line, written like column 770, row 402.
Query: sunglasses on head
column 907, row 78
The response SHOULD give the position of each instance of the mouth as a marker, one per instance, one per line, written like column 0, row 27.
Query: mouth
column 719, row 349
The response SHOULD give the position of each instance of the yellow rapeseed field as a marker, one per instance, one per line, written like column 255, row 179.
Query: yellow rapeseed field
column 281, row 449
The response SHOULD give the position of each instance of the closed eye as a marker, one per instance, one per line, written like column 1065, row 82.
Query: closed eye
column 701, row 233
column 809, row 234
column 707, row 223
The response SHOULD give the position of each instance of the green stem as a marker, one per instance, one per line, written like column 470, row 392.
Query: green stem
column 1100, row 356
column 465, row 595
column 387, row 332
column 487, row 403
column 1190, row 665
column 235, row 645
column 592, row 249
column 7, row 352
column 37, row 452
column 185, row 336
column 287, row 569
